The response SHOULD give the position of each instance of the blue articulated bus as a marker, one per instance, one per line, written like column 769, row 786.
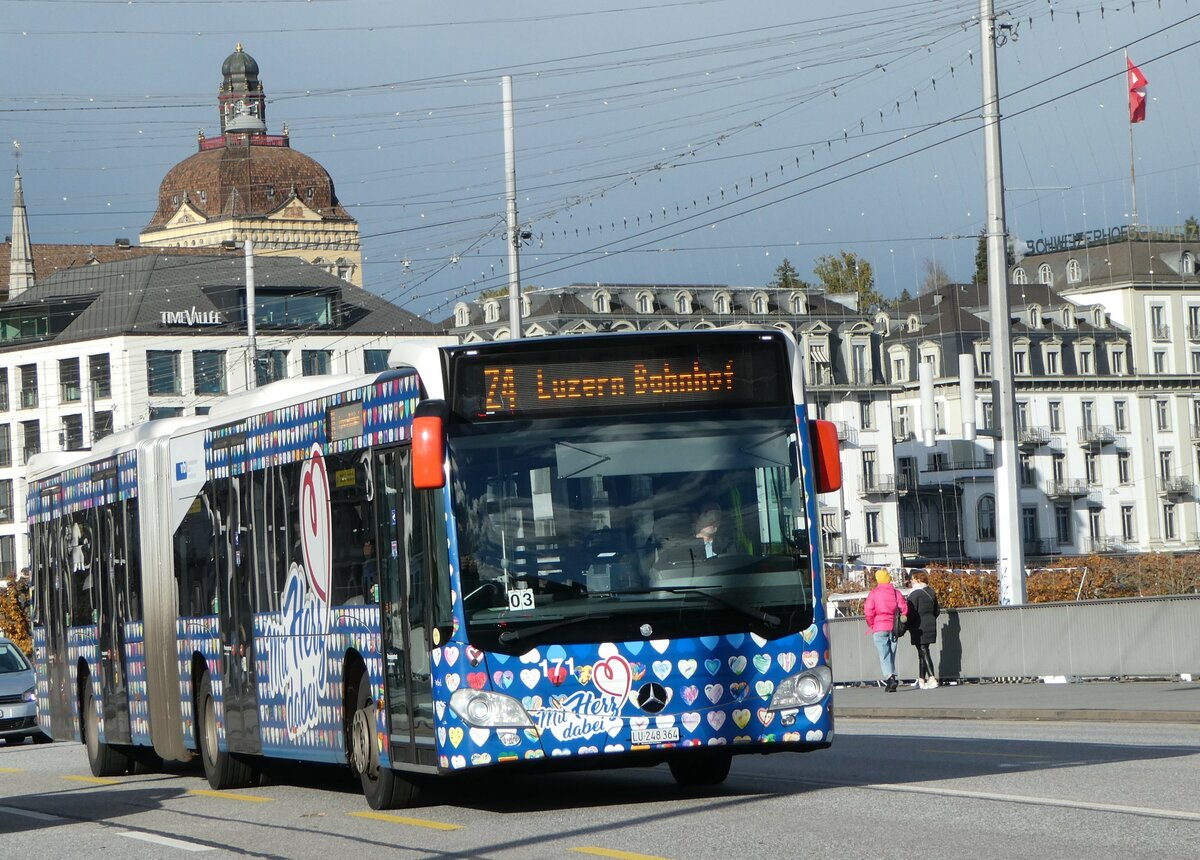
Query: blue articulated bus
column 558, row 553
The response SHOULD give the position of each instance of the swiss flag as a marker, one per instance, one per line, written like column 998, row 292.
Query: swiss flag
column 1137, row 93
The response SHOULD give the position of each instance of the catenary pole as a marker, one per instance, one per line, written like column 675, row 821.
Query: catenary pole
column 1010, row 564
column 514, row 232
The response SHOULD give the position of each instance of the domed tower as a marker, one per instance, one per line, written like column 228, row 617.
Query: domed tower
column 248, row 184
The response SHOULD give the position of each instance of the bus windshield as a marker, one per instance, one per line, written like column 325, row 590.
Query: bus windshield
column 643, row 527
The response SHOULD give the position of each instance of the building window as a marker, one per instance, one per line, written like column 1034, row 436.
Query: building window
column 1058, row 468
column 722, row 304
column 272, row 366
column 375, row 360
column 162, row 372
column 1088, row 407
column 1045, row 274
column 1019, row 276
column 1091, row 468
column 1029, row 525
column 985, row 362
column 1020, row 363
column 1062, row 524
column 208, row 370
column 31, row 439
column 989, row 415
column 760, row 304
column 1187, row 264
column 1162, row 414
column 1165, row 464
column 1052, row 366
column 158, row 412
column 1074, row 272
column 986, row 515
column 1117, row 362
column 491, row 311
column 314, row 362
column 1094, row 523
column 1195, row 364
column 72, row 432
column 796, row 303
column 462, row 316
column 1022, row 414
column 99, row 376
column 68, row 380
column 1128, row 532
column 1085, row 361
column 6, row 501
column 1160, row 361
column 869, row 475
column 683, row 303
column 1123, row 466
column 1026, row 469
column 1159, row 330
column 1168, row 509
column 1121, row 415
column 4, row 389
column 899, row 369
column 5, row 445
column 102, row 424
column 29, row 385
column 866, row 414
column 1056, row 413
column 872, row 524
column 601, row 302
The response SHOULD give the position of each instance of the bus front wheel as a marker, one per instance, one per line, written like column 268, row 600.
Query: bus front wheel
column 103, row 759
column 223, row 769
column 383, row 787
column 700, row 769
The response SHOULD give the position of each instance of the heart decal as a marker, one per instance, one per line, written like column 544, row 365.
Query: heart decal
column 690, row 693
column 786, row 660
column 613, row 677
column 810, row 659
column 662, row 668
column 714, row 692
column 766, row 717
column 479, row 736
column 477, row 680
column 690, row 720
column 762, row 662
column 741, row 717
column 716, row 719
column 813, row 712
column 738, row 664
column 686, row 668
column 530, row 677
column 502, row 678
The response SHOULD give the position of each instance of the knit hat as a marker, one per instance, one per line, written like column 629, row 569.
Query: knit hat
column 882, row 576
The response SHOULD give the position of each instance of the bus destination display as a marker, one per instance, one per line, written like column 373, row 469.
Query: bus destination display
column 532, row 383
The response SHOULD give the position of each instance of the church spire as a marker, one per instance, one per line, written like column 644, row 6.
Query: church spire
column 20, row 268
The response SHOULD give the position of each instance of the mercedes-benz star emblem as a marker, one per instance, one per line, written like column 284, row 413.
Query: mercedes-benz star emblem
column 652, row 698
column 646, row 630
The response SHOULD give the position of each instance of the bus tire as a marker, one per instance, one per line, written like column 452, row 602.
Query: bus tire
column 700, row 769
column 103, row 759
column 383, row 787
column 223, row 769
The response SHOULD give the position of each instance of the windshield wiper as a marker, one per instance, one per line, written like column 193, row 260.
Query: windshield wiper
column 525, row 632
column 749, row 611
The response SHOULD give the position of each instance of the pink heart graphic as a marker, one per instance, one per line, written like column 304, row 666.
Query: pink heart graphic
column 690, row 694
column 613, row 677
column 315, row 534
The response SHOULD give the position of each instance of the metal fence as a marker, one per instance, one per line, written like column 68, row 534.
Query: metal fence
column 1133, row 637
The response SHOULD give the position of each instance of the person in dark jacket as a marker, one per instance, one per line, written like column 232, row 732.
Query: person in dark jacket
column 923, row 611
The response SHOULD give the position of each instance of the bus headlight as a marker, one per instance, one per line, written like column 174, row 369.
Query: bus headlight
column 486, row 709
column 801, row 690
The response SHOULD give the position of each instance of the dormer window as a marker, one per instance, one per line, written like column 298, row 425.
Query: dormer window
column 1019, row 276
column 1074, row 272
column 462, row 315
column 722, row 304
column 914, row 323
column 491, row 311
column 270, row 192
column 526, row 306
column 1187, row 263
column 601, row 302
column 796, row 303
column 1045, row 274
column 645, row 303
column 683, row 303
column 759, row 304
column 1098, row 317
column 1068, row 318
column 308, row 193
column 1035, row 316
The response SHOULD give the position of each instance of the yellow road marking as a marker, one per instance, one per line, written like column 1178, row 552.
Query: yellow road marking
column 225, row 795
column 623, row 855
column 415, row 822
column 990, row 754
column 94, row 780
column 11, row 770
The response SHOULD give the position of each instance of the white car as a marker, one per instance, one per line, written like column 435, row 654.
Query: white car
column 18, row 696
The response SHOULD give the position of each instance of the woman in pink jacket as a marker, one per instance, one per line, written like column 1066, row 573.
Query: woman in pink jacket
column 880, row 610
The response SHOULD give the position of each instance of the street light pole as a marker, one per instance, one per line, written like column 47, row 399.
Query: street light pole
column 1010, row 565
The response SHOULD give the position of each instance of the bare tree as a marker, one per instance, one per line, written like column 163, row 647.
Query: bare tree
column 933, row 276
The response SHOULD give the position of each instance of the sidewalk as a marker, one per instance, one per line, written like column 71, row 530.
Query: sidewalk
column 1108, row 701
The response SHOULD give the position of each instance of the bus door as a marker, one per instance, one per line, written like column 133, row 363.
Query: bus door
column 235, row 612
column 53, row 609
column 109, row 568
column 403, row 611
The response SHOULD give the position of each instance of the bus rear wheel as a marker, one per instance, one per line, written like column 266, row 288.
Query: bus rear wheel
column 701, row 769
column 383, row 787
column 103, row 759
column 223, row 769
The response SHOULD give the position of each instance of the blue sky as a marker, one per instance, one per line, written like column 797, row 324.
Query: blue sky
column 697, row 141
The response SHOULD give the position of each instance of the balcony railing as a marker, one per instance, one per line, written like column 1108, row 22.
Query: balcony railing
column 910, row 545
column 1097, row 435
column 901, row 432
column 1162, row 331
column 1102, row 544
column 1175, row 486
column 846, row 432
column 833, row 548
column 1066, row 488
column 1033, row 437
column 876, row 485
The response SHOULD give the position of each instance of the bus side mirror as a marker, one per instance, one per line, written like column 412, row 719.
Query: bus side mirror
column 429, row 446
column 827, row 463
